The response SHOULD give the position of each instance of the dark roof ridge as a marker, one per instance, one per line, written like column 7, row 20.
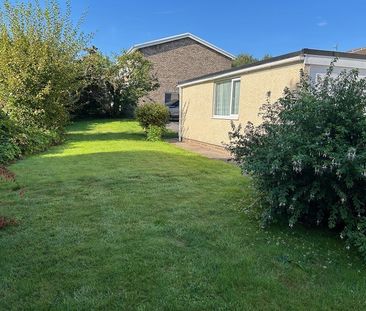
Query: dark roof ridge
column 302, row 52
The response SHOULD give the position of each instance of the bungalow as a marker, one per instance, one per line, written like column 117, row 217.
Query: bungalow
column 209, row 103
column 178, row 58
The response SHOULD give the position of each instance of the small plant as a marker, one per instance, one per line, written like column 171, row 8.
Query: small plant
column 154, row 133
column 308, row 157
column 152, row 114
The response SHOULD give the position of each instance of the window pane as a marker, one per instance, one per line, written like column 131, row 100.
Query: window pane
column 235, row 99
column 222, row 99
column 171, row 96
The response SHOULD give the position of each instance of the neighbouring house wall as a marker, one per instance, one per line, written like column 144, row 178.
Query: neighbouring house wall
column 181, row 60
column 197, row 102
column 314, row 70
column 361, row 51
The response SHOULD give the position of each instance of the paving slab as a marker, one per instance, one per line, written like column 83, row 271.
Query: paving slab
column 204, row 150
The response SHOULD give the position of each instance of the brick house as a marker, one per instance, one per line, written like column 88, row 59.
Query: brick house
column 361, row 51
column 178, row 58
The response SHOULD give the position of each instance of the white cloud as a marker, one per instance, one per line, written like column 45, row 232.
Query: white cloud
column 322, row 23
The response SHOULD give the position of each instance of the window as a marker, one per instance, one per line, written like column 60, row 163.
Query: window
column 226, row 103
column 171, row 96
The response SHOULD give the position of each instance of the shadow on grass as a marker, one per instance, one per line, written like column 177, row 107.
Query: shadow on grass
column 114, row 136
column 105, row 136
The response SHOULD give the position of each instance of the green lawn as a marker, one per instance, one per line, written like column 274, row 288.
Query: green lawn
column 109, row 221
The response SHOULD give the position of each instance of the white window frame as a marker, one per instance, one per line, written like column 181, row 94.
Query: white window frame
column 231, row 116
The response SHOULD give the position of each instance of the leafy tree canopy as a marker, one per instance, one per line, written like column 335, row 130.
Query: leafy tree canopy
column 112, row 88
column 246, row 59
column 39, row 46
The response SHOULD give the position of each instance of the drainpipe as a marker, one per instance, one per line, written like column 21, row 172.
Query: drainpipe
column 180, row 114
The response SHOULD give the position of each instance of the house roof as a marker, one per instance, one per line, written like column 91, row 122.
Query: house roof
column 178, row 37
column 285, row 58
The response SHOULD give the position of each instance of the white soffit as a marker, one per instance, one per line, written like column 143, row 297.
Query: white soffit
column 178, row 37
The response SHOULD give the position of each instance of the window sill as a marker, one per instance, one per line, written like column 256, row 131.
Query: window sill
column 225, row 117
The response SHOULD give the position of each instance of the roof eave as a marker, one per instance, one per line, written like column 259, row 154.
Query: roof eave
column 282, row 59
column 286, row 58
column 178, row 37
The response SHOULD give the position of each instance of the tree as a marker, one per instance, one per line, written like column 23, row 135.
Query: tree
column 96, row 92
column 132, row 79
column 246, row 59
column 113, row 88
column 39, row 70
column 39, row 46
column 308, row 157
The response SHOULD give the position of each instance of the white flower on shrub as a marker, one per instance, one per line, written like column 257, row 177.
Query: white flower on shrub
column 335, row 163
column 351, row 154
column 297, row 166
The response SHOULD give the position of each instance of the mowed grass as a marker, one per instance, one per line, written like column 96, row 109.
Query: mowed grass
column 109, row 221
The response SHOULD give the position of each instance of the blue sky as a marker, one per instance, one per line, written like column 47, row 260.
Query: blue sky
column 257, row 27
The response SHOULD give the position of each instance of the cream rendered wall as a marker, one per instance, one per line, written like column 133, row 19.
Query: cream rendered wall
column 197, row 102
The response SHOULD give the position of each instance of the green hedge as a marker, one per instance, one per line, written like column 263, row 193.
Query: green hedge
column 17, row 141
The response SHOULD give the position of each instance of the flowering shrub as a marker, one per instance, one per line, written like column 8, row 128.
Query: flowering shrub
column 308, row 157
